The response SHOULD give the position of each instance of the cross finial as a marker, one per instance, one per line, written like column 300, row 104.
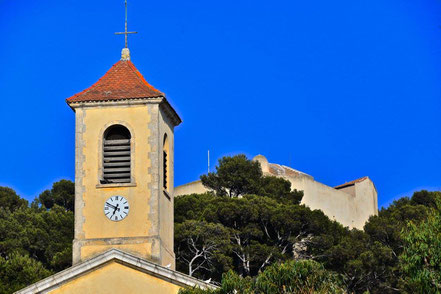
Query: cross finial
column 125, row 55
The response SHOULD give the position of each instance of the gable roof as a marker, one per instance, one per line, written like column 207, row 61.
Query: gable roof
column 122, row 81
column 150, row 268
column 351, row 183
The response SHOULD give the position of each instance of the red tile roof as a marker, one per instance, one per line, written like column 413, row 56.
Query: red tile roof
column 122, row 81
column 351, row 183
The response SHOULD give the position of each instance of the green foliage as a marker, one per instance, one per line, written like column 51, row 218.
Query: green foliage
column 10, row 200
column 265, row 230
column 294, row 277
column 304, row 276
column 279, row 189
column 61, row 194
column 34, row 241
column 237, row 175
column 368, row 259
column 274, row 228
column 364, row 264
column 421, row 259
column 426, row 198
column 234, row 176
column 18, row 271
column 261, row 229
column 192, row 206
column 259, row 238
column 45, row 235
column 201, row 247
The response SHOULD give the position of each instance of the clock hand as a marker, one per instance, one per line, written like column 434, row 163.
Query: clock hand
column 110, row 205
column 114, row 210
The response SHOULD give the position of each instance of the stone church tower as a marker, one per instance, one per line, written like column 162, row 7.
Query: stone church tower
column 124, row 167
column 123, row 191
column 124, row 156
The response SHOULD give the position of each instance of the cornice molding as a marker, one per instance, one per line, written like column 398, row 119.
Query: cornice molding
column 162, row 101
column 121, row 257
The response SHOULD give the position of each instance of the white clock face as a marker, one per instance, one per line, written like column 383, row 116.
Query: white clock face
column 116, row 208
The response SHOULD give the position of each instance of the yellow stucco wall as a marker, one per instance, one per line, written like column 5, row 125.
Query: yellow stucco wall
column 94, row 233
column 96, row 247
column 147, row 231
column 166, row 213
column 116, row 278
column 96, row 225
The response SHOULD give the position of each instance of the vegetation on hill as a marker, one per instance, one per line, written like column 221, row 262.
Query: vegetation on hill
column 251, row 234
column 303, row 277
column 35, row 241
column 420, row 261
column 267, row 227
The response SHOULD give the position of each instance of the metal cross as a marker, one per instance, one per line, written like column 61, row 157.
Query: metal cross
column 125, row 33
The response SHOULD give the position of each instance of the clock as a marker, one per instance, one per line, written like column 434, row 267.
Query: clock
column 116, row 208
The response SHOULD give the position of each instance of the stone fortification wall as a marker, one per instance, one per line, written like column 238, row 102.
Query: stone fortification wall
column 351, row 204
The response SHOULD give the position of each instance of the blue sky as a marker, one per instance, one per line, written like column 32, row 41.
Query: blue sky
column 338, row 90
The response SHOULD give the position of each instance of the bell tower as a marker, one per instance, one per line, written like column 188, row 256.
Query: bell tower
column 124, row 143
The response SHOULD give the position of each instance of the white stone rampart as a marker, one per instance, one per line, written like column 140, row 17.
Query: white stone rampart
column 351, row 204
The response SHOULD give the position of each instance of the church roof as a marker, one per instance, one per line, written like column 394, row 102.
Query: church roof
column 122, row 81
column 124, row 258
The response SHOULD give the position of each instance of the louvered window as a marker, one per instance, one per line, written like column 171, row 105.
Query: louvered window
column 165, row 170
column 116, row 155
column 165, row 163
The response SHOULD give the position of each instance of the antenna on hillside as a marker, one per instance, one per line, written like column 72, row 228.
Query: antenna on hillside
column 208, row 160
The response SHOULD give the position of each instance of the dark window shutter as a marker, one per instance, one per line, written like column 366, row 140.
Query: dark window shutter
column 165, row 170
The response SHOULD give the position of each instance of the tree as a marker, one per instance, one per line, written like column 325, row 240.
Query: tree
column 192, row 206
column 262, row 230
column 279, row 189
column 10, row 200
column 234, row 176
column 426, row 198
column 290, row 277
column 365, row 266
column 306, row 276
column 368, row 260
column 18, row 271
column 62, row 194
column 34, row 241
column 45, row 235
column 237, row 176
column 421, row 259
column 200, row 245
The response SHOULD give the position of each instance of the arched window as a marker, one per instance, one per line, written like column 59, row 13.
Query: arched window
column 116, row 155
column 165, row 162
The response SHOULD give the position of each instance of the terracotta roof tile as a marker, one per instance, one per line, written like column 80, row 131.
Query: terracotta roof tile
column 121, row 81
column 351, row 183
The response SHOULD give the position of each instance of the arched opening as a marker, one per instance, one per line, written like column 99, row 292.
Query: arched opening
column 165, row 163
column 116, row 155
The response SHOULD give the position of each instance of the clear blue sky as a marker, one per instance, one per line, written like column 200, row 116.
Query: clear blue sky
column 336, row 89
